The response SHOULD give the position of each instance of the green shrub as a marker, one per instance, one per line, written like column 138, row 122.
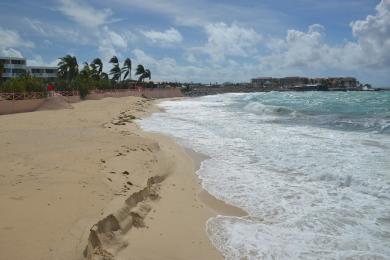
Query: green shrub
column 61, row 85
column 23, row 84
column 102, row 84
column 83, row 85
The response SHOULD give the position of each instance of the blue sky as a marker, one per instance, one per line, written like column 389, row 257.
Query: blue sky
column 207, row 41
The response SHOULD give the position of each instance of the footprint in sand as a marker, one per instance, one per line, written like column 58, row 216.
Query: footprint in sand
column 8, row 228
column 17, row 198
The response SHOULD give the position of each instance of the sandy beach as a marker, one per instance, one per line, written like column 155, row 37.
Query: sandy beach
column 64, row 172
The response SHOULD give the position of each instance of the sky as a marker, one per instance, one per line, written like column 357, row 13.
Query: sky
column 207, row 41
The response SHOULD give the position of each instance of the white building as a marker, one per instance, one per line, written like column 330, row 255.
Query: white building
column 43, row 72
column 14, row 67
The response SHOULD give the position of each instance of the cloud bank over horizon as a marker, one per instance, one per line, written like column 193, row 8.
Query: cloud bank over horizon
column 207, row 42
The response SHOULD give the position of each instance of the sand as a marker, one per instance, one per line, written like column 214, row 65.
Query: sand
column 64, row 172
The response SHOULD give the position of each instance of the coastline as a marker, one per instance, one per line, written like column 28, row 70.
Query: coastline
column 65, row 170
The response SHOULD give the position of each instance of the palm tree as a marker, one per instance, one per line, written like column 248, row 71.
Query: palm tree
column 97, row 68
column 98, row 62
column 142, row 73
column 94, row 72
column 104, row 76
column 68, row 68
column 116, row 71
column 147, row 74
column 114, row 59
column 86, row 72
column 126, row 68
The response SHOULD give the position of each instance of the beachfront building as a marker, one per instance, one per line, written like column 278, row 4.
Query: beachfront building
column 43, row 72
column 14, row 67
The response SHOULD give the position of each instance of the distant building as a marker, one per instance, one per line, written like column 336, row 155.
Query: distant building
column 303, row 82
column 293, row 81
column 262, row 81
column 340, row 82
column 279, row 82
column 14, row 67
column 347, row 82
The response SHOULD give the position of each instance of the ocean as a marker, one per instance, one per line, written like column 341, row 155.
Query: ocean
column 312, row 169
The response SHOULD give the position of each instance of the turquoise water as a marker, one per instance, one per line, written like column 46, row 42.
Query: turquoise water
column 345, row 103
column 365, row 111
column 312, row 169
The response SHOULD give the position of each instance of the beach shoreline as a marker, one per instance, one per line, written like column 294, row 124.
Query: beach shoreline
column 63, row 171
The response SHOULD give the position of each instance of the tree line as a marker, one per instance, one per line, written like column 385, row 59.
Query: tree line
column 90, row 77
column 68, row 69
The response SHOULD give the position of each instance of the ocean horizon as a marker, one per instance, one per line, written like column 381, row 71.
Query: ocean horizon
column 312, row 170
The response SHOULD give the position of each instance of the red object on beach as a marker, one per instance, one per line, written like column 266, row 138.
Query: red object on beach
column 50, row 87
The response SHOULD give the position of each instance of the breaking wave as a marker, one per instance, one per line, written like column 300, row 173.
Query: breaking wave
column 311, row 169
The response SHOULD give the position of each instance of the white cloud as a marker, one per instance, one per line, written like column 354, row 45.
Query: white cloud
column 168, row 69
column 111, row 43
column 84, row 14
column 170, row 36
column 37, row 60
column 10, row 52
column 115, row 39
column 11, row 41
column 299, row 53
column 190, row 57
column 96, row 31
column 52, row 31
column 234, row 40
column 162, row 69
column 202, row 12
column 298, row 49
column 108, row 41
column 373, row 35
column 308, row 50
column 10, row 38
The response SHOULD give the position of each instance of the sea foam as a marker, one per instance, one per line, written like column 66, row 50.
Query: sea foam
column 313, row 190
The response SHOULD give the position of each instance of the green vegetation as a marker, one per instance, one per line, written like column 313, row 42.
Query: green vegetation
column 1, row 71
column 92, row 77
column 89, row 77
column 126, row 68
column 24, row 83
column 68, row 68
column 116, row 71
column 143, row 73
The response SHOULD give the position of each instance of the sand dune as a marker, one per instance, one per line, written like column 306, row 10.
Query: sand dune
column 56, row 102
